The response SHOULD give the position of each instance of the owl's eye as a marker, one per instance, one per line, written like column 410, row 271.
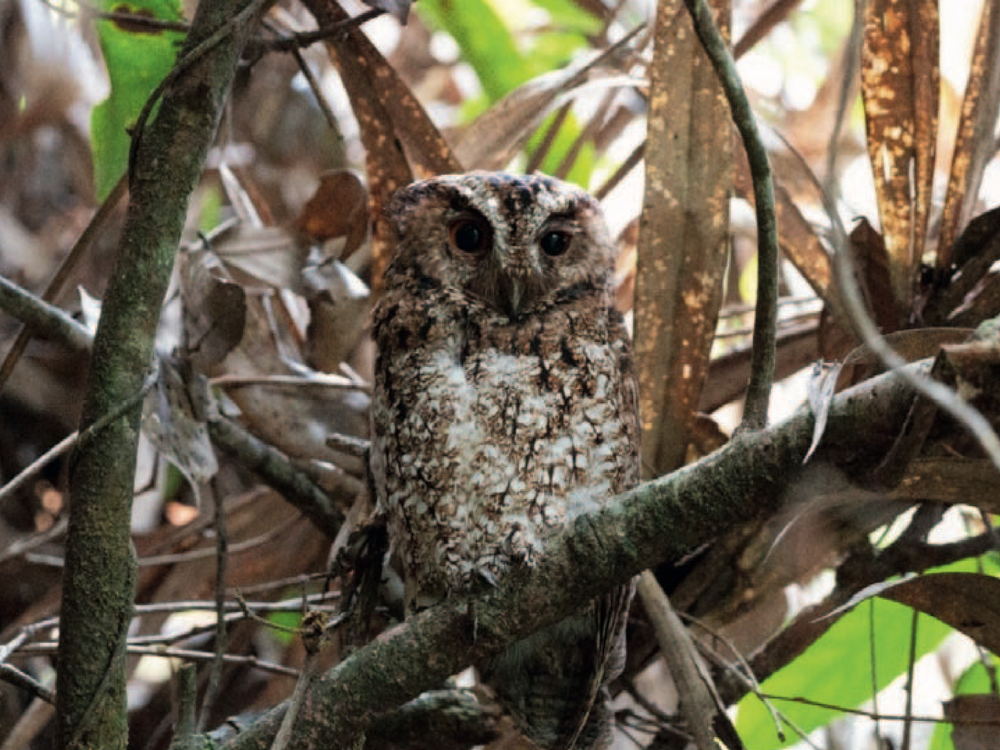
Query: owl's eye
column 555, row 243
column 470, row 235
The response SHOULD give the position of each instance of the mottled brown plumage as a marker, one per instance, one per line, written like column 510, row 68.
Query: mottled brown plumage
column 505, row 405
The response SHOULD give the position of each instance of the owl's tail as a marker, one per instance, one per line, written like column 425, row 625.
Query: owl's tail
column 554, row 683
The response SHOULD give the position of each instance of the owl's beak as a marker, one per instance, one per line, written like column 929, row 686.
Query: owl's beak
column 517, row 292
column 515, row 296
column 515, row 284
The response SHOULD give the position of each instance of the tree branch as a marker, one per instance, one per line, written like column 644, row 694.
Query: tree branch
column 658, row 521
column 46, row 319
column 100, row 566
column 766, row 317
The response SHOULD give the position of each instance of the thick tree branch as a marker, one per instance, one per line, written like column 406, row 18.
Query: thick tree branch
column 99, row 574
column 658, row 521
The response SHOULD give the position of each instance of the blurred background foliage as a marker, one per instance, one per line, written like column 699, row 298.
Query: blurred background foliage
column 282, row 261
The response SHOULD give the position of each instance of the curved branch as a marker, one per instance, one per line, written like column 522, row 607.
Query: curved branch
column 660, row 520
column 766, row 317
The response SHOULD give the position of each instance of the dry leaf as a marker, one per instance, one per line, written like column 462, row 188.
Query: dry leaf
column 338, row 208
column 900, row 89
column 339, row 307
column 174, row 419
column 974, row 144
column 683, row 237
column 499, row 133
column 976, row 720
column 214, row 309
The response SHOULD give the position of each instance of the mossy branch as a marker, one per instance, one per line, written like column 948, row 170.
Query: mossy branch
column 99, row 575
column 658, row 521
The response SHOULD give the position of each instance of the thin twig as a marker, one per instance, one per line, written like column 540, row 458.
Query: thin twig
column 66, row 268
column 624, row 168
column 764, row 330
column 35, row 468
column 908, row 725
column 699, row 704
column 147, row 24
column 221, row 633
column 196, row 554
column 48, row 320
column 16, row 677
column 166, row 652
column 874, row 715
column 120, row 409
column 302, row 39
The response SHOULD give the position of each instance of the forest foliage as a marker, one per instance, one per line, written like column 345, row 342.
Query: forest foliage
column 191, row 240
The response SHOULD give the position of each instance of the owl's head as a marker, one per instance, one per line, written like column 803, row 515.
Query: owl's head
column 512, row 243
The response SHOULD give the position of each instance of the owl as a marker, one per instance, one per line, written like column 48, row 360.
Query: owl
column 505, row 404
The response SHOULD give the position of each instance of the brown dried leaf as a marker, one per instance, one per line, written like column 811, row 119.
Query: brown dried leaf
column 874, row 271
column 900, row 90
column 338, row 208
column 495, row 137
column 683, row 240
column 976, row 719
column 969, row 602
column 214, row 309
column 389, row 117
column 262, row 254
column 339, row 306
column 174, row 419
column 913, row 344
column 293, row 416
column 962, row 481
column 974, row 253
column 974, row 145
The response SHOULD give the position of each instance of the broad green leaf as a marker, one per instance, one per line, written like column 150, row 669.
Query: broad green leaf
column 285, row 621
column 490, row 47
column 137, row 58
column 837, row 669
column 554, row 49
column 485, row 42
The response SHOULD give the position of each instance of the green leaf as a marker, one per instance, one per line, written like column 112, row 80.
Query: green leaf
column 554, row 49
column 286, row 621
column 837, row 668
column 137, row 59
column 490, row 47
column 568, row 15
column 484, row 40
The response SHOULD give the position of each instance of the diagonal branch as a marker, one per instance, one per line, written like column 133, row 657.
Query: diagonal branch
column 660, row 520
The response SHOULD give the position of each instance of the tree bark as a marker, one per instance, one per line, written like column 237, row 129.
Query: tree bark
column 99, row 573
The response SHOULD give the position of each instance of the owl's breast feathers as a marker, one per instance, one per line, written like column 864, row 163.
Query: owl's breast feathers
column 489, row 433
